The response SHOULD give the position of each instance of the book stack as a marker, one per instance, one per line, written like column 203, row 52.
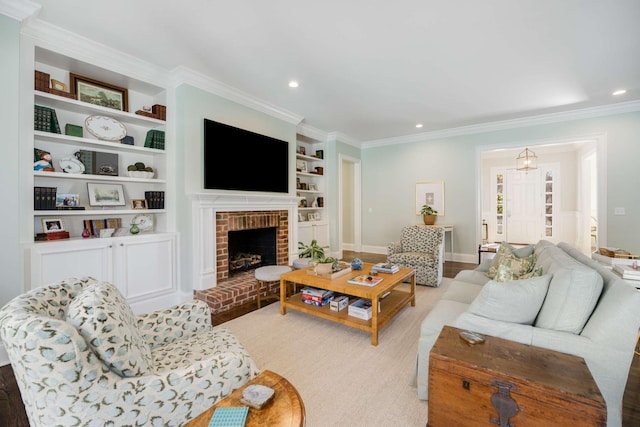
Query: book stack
column 317, row 297
column 155, row 199
column 155, row 139
column 361, row 309
column 56, row 235
column 627, row 272
column 44, row 198
column 95, row 225
column 386, row 267
column 45, row 119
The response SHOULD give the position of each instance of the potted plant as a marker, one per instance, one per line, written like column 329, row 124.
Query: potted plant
column 326, row 265
column 308, row 254
column 428, row 214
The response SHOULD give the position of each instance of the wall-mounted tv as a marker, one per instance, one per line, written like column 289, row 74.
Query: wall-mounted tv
column 238, row 159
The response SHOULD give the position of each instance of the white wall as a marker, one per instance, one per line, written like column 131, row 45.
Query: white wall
column 391, row 171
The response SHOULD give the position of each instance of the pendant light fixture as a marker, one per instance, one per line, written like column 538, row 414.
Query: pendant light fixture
column 526, row 161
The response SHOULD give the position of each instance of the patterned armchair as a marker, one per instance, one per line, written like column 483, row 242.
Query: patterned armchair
column 420, row 248
column 82, row 358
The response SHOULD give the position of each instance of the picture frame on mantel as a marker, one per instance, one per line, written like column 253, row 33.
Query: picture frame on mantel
column 431, row 194
column 99, row 93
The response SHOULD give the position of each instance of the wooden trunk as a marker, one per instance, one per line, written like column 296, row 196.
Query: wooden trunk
column 501, row 382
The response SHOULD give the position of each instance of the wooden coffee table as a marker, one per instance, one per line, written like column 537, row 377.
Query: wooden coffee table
column 391, row 305
column 285, row 410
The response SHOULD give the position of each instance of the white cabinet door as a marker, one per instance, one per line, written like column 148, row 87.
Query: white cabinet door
column 54, row 261
column 145, row 265
column 139, row 266
column 318, row 231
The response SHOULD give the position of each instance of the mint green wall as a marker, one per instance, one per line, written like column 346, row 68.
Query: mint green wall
column 390, row 173
column 193, row 105
column 11, row 256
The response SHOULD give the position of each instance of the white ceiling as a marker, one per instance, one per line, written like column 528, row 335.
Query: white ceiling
column 372, row 70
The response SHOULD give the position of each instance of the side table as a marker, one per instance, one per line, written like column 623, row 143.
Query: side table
column 285, row 410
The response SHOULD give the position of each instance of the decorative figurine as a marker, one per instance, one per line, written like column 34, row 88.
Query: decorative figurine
column 356, row 264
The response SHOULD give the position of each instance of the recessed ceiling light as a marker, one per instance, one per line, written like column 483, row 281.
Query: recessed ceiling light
column 293, row 83
column 620, row 92
column 419, row 125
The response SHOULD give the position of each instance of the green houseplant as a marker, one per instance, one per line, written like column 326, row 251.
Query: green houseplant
column 428, row 214
column 313, row 250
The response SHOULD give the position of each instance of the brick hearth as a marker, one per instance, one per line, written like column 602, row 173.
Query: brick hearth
column 241, row 288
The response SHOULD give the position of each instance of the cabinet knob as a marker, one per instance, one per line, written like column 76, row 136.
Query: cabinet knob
column 121, row 244
column 110, row 246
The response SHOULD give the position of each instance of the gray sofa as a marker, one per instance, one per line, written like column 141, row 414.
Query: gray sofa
column 585, row 310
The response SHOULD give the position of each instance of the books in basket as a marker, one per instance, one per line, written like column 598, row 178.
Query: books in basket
column 627, row 271
column 386, row 267
column 365, row 280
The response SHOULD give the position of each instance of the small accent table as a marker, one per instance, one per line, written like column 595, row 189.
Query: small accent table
column 285, row 410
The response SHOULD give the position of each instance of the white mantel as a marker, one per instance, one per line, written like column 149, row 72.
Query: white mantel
column 204, row 208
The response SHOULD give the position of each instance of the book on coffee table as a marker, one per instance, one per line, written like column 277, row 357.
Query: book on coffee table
column 235, row 416
column 365, row 280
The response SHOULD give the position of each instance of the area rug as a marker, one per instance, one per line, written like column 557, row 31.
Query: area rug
column 343, row 379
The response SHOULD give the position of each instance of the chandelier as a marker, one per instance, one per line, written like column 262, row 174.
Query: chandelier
column 526, row 161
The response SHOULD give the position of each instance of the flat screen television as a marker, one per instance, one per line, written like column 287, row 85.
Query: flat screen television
column 238, row 159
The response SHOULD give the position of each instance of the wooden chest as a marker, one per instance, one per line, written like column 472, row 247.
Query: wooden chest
column 501, row 382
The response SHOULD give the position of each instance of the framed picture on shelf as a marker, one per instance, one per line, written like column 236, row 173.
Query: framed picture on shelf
column 52, row 225
column 138, row 204
column 301, row 166
column 99, row 93
column 67, row 199
column 58, row 85
column 106, row 194
column 313, row 187
column 431, row 194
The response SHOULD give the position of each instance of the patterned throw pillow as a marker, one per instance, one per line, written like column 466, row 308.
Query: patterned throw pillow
column 507, row 265
column 106, row 322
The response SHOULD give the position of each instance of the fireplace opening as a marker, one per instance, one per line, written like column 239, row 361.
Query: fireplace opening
column 250, row 249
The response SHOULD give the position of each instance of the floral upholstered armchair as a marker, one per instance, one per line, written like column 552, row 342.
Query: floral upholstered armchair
column 82, row 358
column 421, row 248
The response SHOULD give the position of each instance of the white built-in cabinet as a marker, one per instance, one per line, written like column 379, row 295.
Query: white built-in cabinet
column 311, row 182
column 141, row 265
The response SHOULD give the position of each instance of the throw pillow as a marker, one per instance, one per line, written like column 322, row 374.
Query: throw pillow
column 514, row 302
column 106, row 322
column 512, row 265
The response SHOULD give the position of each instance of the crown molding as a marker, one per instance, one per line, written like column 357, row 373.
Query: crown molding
column 564, row 116
column 19, row 10
column 70, row 44
column 184, row 75
column 311, row 132
column 341, row 137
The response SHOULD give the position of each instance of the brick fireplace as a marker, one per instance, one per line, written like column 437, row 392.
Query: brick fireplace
column 214, row 215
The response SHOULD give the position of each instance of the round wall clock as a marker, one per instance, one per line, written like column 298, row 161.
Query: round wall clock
column 143, row 221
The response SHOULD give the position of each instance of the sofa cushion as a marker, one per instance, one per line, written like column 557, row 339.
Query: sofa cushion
column 572, row 296
column 106, row 322
column 519, row 261
column 517, row 301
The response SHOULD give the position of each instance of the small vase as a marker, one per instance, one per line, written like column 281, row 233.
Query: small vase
column 85, row 233
column 134, row 229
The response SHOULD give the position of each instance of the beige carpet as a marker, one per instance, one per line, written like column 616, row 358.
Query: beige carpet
column 342, row 378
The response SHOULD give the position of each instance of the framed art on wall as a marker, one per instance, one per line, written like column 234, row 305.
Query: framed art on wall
column 105, row 194
column 431, row 194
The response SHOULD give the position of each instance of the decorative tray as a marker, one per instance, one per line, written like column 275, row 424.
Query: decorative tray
column 345, row 268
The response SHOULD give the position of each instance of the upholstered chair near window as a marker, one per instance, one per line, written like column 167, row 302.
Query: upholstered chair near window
column 421, row 248
column 82, row 358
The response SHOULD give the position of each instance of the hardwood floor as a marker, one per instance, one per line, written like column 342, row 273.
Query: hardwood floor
column 12, row 412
